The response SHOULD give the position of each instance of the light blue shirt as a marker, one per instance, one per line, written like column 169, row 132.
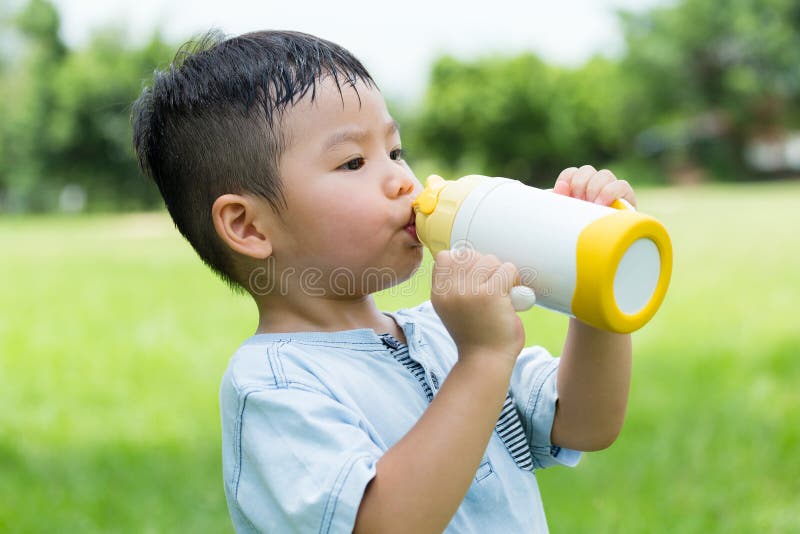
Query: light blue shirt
column 307, row 415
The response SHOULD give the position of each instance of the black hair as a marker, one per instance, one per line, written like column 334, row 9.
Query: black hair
column 210, row 124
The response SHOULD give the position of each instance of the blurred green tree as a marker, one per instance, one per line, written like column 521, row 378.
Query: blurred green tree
column 717, row 76
column 522, row 118
column 69, row 122
column 4, row 59
column 89, row 129
column 26, row 85
column 698, row 83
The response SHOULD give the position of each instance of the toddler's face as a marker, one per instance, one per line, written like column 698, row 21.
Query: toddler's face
column 348, row 193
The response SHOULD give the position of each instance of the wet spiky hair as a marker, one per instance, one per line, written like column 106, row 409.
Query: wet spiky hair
column 210, row 123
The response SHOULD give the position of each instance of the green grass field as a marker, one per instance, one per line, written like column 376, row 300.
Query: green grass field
column 113, row 338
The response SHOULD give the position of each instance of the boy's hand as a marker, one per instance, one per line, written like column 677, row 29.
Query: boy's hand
column 470, row 294
column 422, row 479
column 587, row 183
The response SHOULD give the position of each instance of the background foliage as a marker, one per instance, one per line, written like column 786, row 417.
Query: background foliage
column 695, row 87
column 66, row 115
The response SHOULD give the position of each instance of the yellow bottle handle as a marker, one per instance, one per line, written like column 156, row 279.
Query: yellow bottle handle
column 622, row 204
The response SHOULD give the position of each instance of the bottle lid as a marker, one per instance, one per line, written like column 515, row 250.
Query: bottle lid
column 436, row 208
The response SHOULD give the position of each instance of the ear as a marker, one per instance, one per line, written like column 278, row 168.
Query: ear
column 243, row 224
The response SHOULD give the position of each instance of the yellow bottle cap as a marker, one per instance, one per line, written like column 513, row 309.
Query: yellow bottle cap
column 436, row 208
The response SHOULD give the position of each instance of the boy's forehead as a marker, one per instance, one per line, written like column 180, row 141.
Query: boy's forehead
column 328, row 105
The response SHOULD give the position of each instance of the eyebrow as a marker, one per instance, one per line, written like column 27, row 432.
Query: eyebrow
column 356, row 135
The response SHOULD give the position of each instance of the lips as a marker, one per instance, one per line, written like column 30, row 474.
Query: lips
column 411, row 226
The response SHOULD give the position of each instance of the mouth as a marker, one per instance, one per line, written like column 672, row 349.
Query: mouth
column 411, row 226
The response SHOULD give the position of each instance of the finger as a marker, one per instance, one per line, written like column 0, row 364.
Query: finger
column 598, row 182
column 503, row 279
column 442, row 264
column 615, row 190
column 442, row 273
column 463, row 256
column 580, row 179
column 451, row 270
column 484, row 268
column 446, row 262
column 442, row 257
column 563, row 182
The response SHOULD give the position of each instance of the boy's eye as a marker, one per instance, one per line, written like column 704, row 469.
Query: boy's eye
column 396, row 154
column 353, row 165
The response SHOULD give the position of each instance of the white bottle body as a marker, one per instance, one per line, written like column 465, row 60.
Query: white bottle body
column 609, row 267
column 534, row 229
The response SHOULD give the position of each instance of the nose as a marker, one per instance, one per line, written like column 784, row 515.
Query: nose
column 402, row 182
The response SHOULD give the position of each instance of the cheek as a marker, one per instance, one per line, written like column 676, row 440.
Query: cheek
column 345, row 224
column 355, row 230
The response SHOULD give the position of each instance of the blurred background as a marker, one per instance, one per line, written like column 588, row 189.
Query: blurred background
column 113, row 337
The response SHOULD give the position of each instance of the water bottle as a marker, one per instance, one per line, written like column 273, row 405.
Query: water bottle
column 607, row 266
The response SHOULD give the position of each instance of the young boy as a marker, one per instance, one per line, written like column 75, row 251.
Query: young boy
column 279, row 162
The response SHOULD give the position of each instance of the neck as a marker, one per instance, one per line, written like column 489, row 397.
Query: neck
column 321, row 314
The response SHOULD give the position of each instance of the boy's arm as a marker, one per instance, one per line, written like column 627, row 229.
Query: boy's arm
column 595, row 368
column 593, row 382
column 421, row 481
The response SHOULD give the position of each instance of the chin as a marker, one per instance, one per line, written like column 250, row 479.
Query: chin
column 380, row 278
column 409, row 272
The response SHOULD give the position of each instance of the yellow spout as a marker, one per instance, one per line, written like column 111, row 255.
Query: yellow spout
column 426, row 201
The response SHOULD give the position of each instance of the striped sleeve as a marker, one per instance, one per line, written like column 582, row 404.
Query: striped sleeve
column 534, row 390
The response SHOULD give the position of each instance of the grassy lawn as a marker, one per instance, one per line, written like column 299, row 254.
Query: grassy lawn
column 113, row 338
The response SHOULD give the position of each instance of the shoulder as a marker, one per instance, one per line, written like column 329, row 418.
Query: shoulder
column 311, row 361
column 260, row 366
